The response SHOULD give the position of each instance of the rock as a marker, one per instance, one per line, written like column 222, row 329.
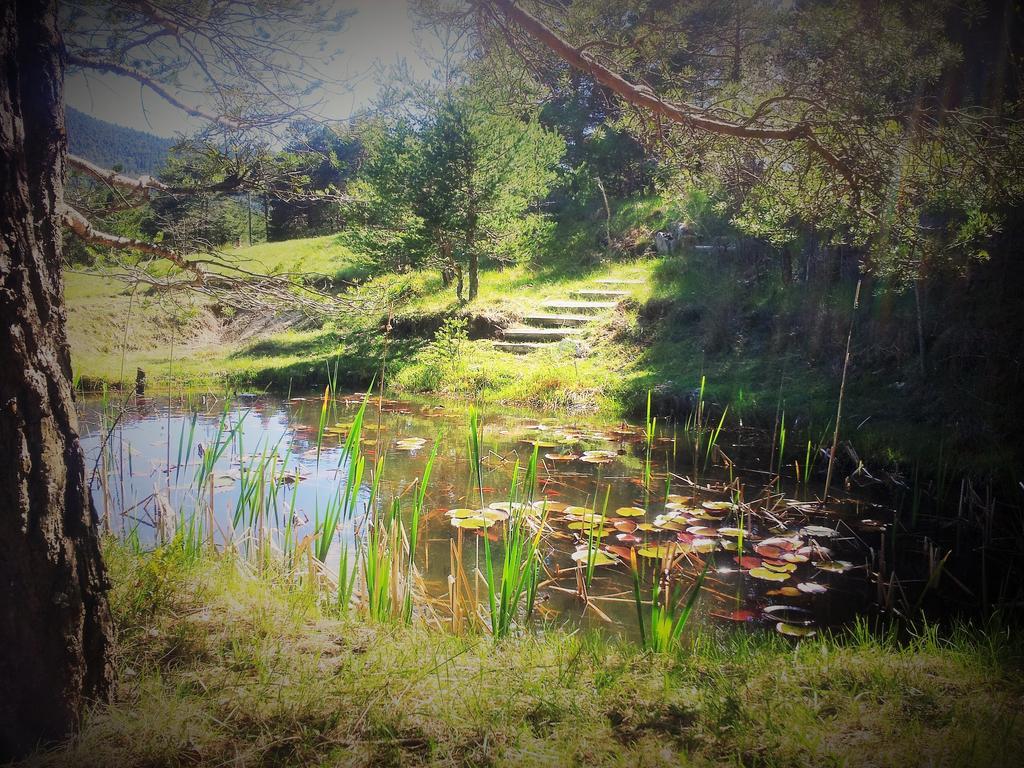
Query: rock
column 663, row 243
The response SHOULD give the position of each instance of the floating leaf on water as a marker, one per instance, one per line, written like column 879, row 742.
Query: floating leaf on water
column 551, row 506
column 834, row 566
column 730, row 545
column 780, row 567
column 658, row 551
column 734, row 533
column 794, row 630
column 599, row 456
column 768, row 550
column 665, row 524
column 704, row 545
column 622, row 552
column 784, row 592
column 718, row 506
column 648, row 527
column 790, row 614
column 787, row 543
column 815, row 550
column 462, row 514
column 561, row 456
column 767, row 575
column 410, row 445
column 630, row 512
column 794, row 557
column 819, row 531
column 628, row 538
column 504, row 506
column 584, row 525
column 593, row 557
column 471, row 522
column 747, row 562
column 871, row 525
column 811, row 588
column 494, row 515
column 675, row 498
column 578, row 511
column 702, row 530
column 626, row 526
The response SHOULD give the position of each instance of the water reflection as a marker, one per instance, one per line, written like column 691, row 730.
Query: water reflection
column 776, row 559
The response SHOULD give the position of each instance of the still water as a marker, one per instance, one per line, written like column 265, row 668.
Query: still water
column 598, row 484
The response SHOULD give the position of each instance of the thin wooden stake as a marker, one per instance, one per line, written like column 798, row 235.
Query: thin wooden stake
column 842, row 393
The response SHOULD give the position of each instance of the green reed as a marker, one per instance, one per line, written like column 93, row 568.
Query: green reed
column 669, row 612
column 515, row 591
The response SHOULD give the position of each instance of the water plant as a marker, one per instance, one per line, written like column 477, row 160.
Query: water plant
column 669, row 612
column 515, row 585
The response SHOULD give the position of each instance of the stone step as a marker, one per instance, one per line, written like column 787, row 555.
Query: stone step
column 542, row 318
column 599, row 293
column 618, row 281
column 521, row 347
column 571, row 305
column 528, row 332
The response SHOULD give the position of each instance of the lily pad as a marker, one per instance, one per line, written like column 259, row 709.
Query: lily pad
column 630, row 512
column 791, row 614
column 471, row 522
column 784, row 592
column 734, row 533
column 819, row 531
column 675, row 498
column 578, row 511
column 658, row 551
column 702, row 530
column 767, row 575
column 718, row 506
column 561, row 456
column 795, row 630
column 551, row 506
column 811, row 588
column 598, row 557
column 462, row 514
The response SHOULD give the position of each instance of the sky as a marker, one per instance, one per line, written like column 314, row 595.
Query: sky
column 380, row 33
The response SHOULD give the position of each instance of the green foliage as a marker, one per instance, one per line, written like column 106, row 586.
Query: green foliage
column 462, row 185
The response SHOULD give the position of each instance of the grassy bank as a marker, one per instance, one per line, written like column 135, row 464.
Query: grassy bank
column 217, row 667
column 764, row 347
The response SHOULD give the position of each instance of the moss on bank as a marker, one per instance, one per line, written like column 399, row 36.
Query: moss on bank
column 218, row 667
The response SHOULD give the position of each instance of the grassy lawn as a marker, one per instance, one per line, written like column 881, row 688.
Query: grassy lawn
column 218, row 667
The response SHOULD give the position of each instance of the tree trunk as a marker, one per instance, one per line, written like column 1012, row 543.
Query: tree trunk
column 55, row 627
column 474, row 274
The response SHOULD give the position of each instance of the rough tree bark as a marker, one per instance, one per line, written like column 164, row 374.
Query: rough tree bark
column 55, row 627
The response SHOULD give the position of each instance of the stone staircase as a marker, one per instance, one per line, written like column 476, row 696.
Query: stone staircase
column 565, row 317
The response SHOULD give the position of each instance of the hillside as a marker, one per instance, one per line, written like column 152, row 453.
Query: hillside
column 108, row 144
column 761, row 346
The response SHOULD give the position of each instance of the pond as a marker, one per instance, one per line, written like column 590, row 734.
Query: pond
column 613, row 503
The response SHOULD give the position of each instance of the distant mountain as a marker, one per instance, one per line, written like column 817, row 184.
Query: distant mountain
column 107, row 144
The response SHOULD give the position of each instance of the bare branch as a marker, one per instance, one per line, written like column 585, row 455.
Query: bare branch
column 644, row 97
column 104, row 65
column 82, row 227
column 142, row 185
